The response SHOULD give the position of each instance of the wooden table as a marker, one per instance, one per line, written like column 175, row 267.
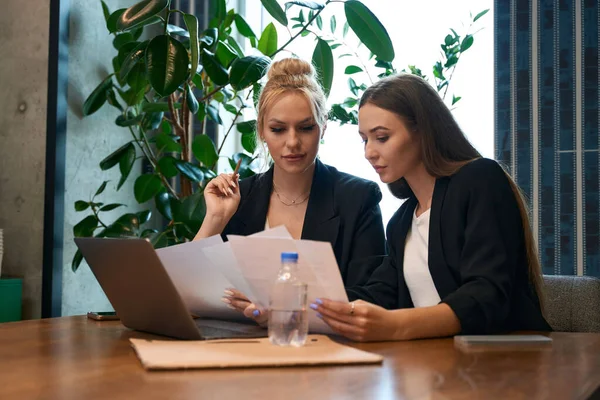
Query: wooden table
column 77, row 358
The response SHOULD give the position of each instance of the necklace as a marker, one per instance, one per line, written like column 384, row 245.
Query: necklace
column 291, row 202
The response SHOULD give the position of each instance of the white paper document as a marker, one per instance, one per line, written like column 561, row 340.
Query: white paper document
column 202, row 270
column 259, row 260
column 198, row 282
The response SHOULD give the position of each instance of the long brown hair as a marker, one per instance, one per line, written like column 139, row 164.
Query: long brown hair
column 445, row 148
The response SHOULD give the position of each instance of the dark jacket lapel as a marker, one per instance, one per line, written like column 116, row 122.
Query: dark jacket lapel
column 440, row 272
column 321, row 221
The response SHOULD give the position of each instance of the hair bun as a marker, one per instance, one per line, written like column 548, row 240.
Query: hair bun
column 291, row 66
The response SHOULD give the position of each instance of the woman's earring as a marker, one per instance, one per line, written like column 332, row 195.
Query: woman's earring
column 322, row 141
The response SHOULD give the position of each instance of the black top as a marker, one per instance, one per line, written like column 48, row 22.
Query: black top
column 342, row 209
column 477, row 254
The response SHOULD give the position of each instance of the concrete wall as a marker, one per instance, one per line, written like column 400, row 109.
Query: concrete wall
column 89, row 140
column 24, row 28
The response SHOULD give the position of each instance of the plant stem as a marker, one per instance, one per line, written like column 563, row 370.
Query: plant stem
column 211, row 94
column 98, row 217
column 304, row 27
column 229, row 130
column 152, row 160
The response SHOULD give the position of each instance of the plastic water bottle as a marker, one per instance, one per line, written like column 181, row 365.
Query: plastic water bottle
column 288, row 319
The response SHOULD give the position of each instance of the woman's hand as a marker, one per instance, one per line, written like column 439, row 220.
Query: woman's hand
column 359, row 320
column 236, row 300
column 222, row 196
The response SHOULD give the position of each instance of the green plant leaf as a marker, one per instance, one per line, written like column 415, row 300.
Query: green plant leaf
column 86, row 227
column 81, row 205
column 126, row 225
column 225, row 54
column 345, row 29
column 177, row 30
column 319, row 22
column 248, row 70
column 126, row 163
column 213, row 68
column 111, row 22
column 204, row 150
column 110, row 207
column 111, row 97
column 166, row 143
column 144, row 216
column 466, row 43
column 146, row 186
column 163, row 204
column 192, row 24
column 308, row 4
column 129, row 120
column 213, row 113
column 322, row 59
column 76, row 262
column 219, row 8
column 132, row 59
column 98, row 96
column 193, row 211
column 249, row 142
column 352, row 69
column 455, row 99
column 137, row 32
column 112, row 159
column 159, row 106
column 273, row 8
column 140, row 13
column 166, row 166
column 243, row 27
column 369, row 30
column 105, row 10
column 230, row 108
column 191, row 101
column 481, row 14
column 122, row 39
column 268, row 40
column 209, row 38
column 152, row 121
column 452, row 60
column 332, row 24
column 234, row 45
column 167, row 64
column 246, row 126
column 101, row 188
column 190, row 171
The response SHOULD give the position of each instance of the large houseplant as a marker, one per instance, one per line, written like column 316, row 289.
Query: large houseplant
column 182, row 76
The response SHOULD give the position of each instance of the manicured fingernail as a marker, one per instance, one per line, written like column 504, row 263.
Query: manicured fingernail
column 256, row 313
column 228, row 293
column 225, row 300
column 230, row 191
column 319, row 301
column 319, row 315
column 232, row 307
column 314, row 306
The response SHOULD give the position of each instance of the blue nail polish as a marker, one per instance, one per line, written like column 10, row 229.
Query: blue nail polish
column 256, row 313
column 319, row 315
column 313, row 306
column 319, row 301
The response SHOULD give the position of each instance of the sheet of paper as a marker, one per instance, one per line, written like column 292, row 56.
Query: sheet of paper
column 198, row 282
column 259, row 260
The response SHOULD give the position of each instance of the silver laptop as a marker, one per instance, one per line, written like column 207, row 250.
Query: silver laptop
column 144, row 297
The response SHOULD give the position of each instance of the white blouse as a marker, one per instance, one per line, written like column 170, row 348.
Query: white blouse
column 416, row 267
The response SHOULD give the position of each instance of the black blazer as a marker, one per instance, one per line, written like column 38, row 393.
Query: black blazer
column 342, row 209
column 477, row 254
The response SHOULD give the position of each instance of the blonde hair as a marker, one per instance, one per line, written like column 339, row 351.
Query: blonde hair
column 291, row 75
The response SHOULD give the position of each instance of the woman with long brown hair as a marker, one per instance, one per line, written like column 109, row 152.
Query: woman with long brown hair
column 461, row 255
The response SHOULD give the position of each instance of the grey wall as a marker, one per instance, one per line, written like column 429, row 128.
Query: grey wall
column 23, row 97
column 89, row 140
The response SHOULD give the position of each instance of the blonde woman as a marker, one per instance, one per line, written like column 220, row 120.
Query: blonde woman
column 314, row 201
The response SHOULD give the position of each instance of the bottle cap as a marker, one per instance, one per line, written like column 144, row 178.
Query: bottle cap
column 289, row 256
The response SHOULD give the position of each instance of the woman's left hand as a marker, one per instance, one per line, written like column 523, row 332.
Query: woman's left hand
column 362, row 322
